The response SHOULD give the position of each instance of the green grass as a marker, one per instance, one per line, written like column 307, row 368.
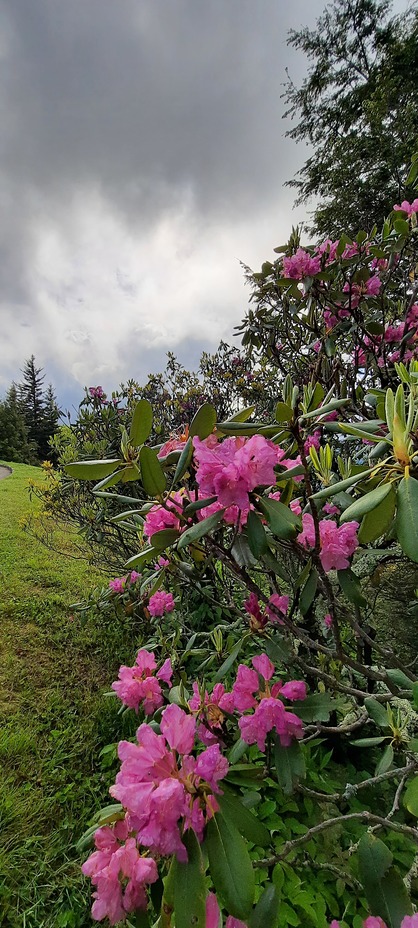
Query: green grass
column 54, row 718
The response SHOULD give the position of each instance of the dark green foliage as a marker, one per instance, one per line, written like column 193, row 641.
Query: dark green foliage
column 14, row 441
column 358, row 109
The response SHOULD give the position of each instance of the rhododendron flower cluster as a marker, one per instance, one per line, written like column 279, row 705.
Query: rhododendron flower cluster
column 210, row 711
column 139, row 685
column 164, row 788
column 374, row 921
column 260, row 618
column 338, row 543
column 231, row 469
column 119, row 872
column 252, row 690
column 167, row 516
column 161, row 603
column 406, row 207
column 117, row 585
column 357, row 291
column 301, row 265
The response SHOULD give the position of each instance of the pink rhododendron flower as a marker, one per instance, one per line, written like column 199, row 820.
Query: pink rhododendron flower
column 328, row 248
column 337, row 543
column 161, row 517
column 163, row 787
column 328, row 620
column 231, row 469
column 173, row 444
column 213, row 912
column 374, row 921
column 163, row 562
column 281, row 604
column 161, row 603
column 97, row 393
column 112, row 863
column 408, row 921
column 288, row 463
column 117, row 585
column 407, row 207
column 209, row 710
column 138, row 685
column 232, row 922
column 357, row 291
column 264, row 698
column 301, row 265
column 295, row 506
column 312, row 441
column 350, row 250
column 134, row 576
column 331, row 510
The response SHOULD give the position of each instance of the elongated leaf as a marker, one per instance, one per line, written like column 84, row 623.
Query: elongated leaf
column 407, row 517
column 200, row 529
column 183, row 461
column 399, row 677
column 230, row 660
column 189, row 893
column 199, row 504
column 243, row 414
column 92, row 470
column 342, row 485
column 368, row 742
column 106, row 816
column 203, row 423
column 282, row 521
column 111, row 481
column 138, row 560
column 141, row 424
column 384, row 888
column 165, row 538
column 411, row 797
column 241, row 552
column 350, row 585
column 152, row 474
column 248, row 825
column 257, row 538
column 246, row 428
column 283, row 413
column 230, row 866
column 266, row 912
column 290, row 764
column 385, row 761
column 360, row 433
column 324, row 410
column 366, row 503
column 307, row 595
column 376, row 523
column 315, row 708
column 377, row 712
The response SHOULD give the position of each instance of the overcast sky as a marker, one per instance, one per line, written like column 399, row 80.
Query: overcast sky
column 142, row 156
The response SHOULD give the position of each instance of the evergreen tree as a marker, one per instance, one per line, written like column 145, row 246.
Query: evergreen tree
column 39, row 408
column 50, row 420
column 14, row 442
column 358, row 110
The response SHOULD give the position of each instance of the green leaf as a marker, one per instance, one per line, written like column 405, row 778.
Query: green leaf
column 385, row 761
column 257, row 538
column 411, row 797
column 243, row 414
column 376, row 712
column 415, row 694
column 106, row 816
column 248, row 825
column 152, row 474
column 283, row 413
column 92, row 470
column 400, row 678
column 350, row 585
column 290, row 764
column 376, row 523
column 138, row 560
column 203, row 423
column 307, row 595
column 407, row 517
column 230, row 660
column 342, row 484
column 183, row 461
column 141, row 424
column 189, row 886
column 278, row 649
column 165, row 538
column 230, row 866
column 266, row 912
column 324, row 410
column 315, row 708
column 384, row 888
column 367, row 742
column 366, row 503
column 199, row 504
column 241, row 552
column 282, row 521
column 200, row 529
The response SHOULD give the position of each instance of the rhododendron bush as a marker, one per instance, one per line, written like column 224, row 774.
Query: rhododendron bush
column 272, row 773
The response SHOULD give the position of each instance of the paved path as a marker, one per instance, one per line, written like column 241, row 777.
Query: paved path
column 5, row 471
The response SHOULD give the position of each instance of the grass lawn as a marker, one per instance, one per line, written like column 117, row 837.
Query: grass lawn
column 54, row 718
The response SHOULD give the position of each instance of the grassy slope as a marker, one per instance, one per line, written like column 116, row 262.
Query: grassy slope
column 53, row 720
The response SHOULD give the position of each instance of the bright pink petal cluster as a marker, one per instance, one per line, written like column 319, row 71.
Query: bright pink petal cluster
column 173, row 444
column 163, row 787
column 252, row 690
column 357, row 291
column 406, row 207
column 117, row 585
column 312, row 441
column 140, row 685
column 375, row 921
column 119, row 873
column 160, row 603
column 213, row 915
column 301, row 265
column 338, row 543
column 260, row 617
column 167, row 516
column 231, row 469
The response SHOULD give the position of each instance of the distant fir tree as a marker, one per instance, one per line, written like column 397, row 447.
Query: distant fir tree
column 39, row 408
column 14, row 442
column 357, row 109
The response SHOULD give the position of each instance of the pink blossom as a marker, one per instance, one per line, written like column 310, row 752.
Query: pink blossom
column 330, row 509
column 161, row 517
column 178, row 729
column 117, row 585
column 294, row 689
column 312, row 441
column 350, row 250
column 337, row 543
column 173, row 444
column 370, row 287
column 97, row 393
column 111, row 863
column 328, row 620
column 289, row 463
column 374, row 921
column 408, row 921
column 281, row 604
column 406, row 207
column 134, row 576
column 328, row 248
column 138, row 684
column 163, row 562
column 233, row 468
column 295, row 506
column 301, row 265
column 232, row 922
column 270, row 713
column 213, row 913
column 265, row 699
column 161, row 603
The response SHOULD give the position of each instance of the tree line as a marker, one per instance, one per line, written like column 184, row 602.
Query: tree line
column 29, row 417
